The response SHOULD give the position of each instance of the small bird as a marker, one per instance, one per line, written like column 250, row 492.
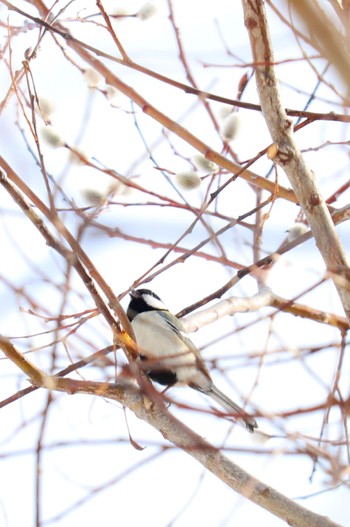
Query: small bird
column 161, row 338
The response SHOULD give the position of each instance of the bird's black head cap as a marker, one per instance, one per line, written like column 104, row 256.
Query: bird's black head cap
column 143, row 300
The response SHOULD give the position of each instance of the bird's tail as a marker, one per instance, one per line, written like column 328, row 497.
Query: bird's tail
column 231, row 407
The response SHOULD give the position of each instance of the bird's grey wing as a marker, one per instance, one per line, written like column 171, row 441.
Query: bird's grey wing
column 174, row 323
column 179, row 329
column 202, row 381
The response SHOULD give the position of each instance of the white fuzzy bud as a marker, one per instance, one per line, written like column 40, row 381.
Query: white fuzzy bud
column 94, row 197
column 92, row 78
column 117, row 188
column 52, row 137
column 225, row 111
column 297, row 230
column 204, row 164
column 147, row 10
column 112, row 93
column 188, row 180
column 120, row 13
column 46, row 108
column 230, row 127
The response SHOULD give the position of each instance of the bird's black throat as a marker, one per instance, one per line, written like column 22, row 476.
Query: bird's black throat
column 138, row 305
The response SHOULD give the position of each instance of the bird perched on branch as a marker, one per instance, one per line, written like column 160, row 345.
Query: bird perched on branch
column 172, row 358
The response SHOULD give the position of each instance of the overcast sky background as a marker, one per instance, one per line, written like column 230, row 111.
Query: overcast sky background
column 87, row 439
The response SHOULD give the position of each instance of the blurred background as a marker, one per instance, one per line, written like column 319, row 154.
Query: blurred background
column 131, row 191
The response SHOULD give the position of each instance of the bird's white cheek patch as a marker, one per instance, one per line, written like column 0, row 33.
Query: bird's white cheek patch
column 153, row 302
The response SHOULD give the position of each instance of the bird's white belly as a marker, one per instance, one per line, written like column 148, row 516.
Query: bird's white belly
column 158, row 343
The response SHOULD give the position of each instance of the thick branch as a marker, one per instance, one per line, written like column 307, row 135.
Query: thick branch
column 230, row 306
column 155, row 414
column 289, row 156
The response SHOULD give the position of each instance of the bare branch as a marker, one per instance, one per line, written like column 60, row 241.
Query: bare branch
column 154, row 413
column 288, row 155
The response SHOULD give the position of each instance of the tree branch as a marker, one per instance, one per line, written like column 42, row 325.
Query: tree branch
column 88, row 54
column 155, row 414
column 289, row 157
